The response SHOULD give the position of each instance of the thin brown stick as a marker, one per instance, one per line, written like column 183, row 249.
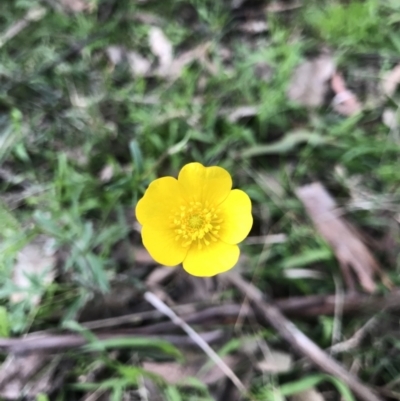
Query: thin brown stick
column 355, row 340
column 55, row 342
column 208, row 313
column 271, row 315
column 316, row 305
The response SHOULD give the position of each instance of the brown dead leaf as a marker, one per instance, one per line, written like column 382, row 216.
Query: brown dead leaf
column 115, row 54
column 162, row 48
column 349, row 249
column 345, row 102
column 308, row 395
column 171, row 372
column 391, row 118
column 237, row 113
column 35, row 259
column 390, row 81
column 106, row 173
column 196, row 54
column 309, row 83
column 27, row 376
column 276, row 362
column 253, row 27
column 138, row 64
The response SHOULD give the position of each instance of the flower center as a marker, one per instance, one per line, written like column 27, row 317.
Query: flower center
column 196, row 222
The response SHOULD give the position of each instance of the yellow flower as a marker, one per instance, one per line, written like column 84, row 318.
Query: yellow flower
column 197, row 220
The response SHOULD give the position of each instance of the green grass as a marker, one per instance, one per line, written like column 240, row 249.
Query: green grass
column 66, row 113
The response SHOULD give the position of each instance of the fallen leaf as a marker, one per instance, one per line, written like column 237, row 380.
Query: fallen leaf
column 35, row 259
column 253, row 27
column 162, row 48
column 240, row 112
column 308, row 395
column 171, row 372
column 343, row 238
column 276, row 362
column 138, row 64
column 391, row 118
column 106, row 173
column 309, row 83
column 27, row 376
column 390, row 81
column 115, row 54
column 345, row 102
column 196, row 54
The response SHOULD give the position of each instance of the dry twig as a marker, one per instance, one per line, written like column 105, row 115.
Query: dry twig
column 56, row 342
column 162, row 307
column 271, row 315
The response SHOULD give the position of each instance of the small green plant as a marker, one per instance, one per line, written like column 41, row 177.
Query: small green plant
column 356, row 25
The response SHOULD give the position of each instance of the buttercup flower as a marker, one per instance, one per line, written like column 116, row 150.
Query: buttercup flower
column 197, row 220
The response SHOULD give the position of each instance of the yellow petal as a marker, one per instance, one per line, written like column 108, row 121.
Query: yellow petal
column 213, row 259
column 236, row 217
column 159, row 202
column 161, row 245
column 201, row 184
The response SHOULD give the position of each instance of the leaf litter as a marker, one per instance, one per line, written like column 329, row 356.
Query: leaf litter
column 30, row 375
column 35, row 260
column 351, row 252
column 162, row 48
column 310, row 81
column 389, row 86
column 345, row 102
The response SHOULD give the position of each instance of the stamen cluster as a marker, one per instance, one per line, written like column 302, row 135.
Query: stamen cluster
column 195, row 221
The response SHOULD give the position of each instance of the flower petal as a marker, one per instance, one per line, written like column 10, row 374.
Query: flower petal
column 162, row 246
column 159, row 202
column 213, row 259
column 202, row 184
column 235, row 212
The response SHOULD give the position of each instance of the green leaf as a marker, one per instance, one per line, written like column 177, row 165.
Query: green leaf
column 42, row 397
column 307, row 257
column 308, row 382
column 172, row 393
column 4, row 322
column 288, row 143
column 135, row 343
column 136, row 155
